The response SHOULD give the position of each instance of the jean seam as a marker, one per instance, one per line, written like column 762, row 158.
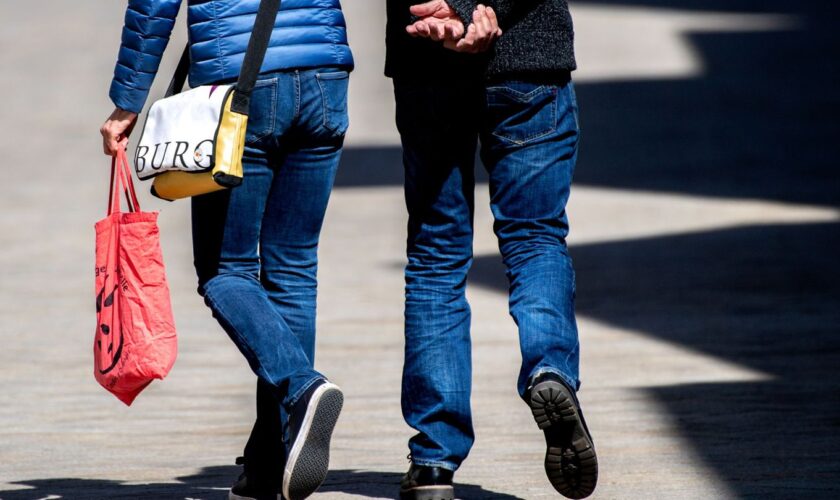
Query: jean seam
column 523, row 97
column 554, row 113
column 529, row 139
column 297, row 95
column 548, row 369
column 273, row 116
column 221, row 312
column 326, row 111
column 574, row 104
column 435, row 463
column 297, row 395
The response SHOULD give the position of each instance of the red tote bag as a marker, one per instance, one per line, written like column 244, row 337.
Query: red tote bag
column 135, row 339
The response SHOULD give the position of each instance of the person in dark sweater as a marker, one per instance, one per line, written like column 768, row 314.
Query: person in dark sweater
column 456, row 81
column 539, row 41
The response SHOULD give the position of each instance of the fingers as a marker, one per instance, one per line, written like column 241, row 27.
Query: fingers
column 427, row 9
column 481, row 33
column 113, row 143
column 423, row 29
column 454, row 30
column 436, row 30
column 478, row 37
column 486, row 23
column 481, row 29
column 467, row 44
column 104, row 140
column 427, row 29
column 109, row 143
column 109, row 146
column 494, row 21
column 418, row 29
column 116, row 129
column 491, row 31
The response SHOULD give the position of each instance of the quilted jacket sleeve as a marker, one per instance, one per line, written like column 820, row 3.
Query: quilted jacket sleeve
column 148, row 25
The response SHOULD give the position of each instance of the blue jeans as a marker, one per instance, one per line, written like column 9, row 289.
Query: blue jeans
column 529, row 144
column 255, row 246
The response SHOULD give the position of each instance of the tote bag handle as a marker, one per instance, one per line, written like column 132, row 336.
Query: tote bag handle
column 121, row 177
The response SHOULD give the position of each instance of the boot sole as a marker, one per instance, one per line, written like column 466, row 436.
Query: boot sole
column 429, row 493
column 309, row 458
column 570, row 460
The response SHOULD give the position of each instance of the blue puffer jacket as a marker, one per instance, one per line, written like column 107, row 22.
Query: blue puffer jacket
column 307, row 34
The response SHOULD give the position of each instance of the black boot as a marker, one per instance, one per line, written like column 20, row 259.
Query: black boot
column 311, row 424
column 570, row 460
column 427, row 483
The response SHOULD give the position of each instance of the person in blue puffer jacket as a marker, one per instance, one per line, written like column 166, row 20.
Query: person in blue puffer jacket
column 255, row 246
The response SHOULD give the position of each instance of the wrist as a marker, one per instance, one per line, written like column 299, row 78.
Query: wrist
column 463, row 9
column 123, row 115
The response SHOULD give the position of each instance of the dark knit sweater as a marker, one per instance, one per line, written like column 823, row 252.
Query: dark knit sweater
column 538, row 42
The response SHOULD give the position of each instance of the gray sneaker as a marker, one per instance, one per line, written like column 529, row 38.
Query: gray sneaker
column 311, row 424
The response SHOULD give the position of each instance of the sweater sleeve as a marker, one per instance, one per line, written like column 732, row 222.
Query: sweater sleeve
column 464, row 9
column 148, row 25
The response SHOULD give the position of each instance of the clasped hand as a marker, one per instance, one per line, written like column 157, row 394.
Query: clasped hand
column 439, row 22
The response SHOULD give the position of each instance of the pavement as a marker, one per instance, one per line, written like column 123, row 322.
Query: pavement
column 705, row 232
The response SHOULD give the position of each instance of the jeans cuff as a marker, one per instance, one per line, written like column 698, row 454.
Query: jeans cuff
column 435, row 463
column 291, row 401
column 574, row 385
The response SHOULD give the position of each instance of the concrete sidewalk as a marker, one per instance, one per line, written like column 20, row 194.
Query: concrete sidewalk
column 708, row 303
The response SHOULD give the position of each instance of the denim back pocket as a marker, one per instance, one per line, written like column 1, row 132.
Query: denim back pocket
column 334, row 85
column 521, row 112
column 261, row 114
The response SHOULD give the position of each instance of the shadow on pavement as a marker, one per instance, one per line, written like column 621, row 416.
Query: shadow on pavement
column 760, row 122
column 212, row 483
column 386, row 485
column 766, row 298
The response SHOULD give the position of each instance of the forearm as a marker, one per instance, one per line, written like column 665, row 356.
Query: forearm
column 148, row 26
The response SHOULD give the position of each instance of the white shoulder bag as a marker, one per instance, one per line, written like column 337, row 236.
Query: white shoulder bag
column 192, row 142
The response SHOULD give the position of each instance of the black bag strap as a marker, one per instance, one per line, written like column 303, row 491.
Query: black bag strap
column 180, row 76
column 251, row 64
column 254, row 55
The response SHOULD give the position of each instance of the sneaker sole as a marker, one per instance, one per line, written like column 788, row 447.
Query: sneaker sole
column 429, row 493
column 234, row 496
column 570, row 460
column 309, row 458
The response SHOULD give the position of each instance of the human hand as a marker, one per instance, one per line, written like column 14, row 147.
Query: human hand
column 440, row 23
column 481, row 34
column 116, row 130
